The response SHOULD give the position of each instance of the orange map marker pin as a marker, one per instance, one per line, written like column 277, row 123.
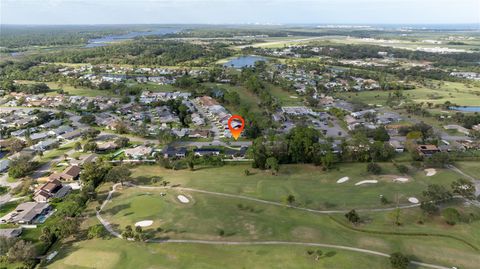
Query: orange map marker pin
column 236, row 130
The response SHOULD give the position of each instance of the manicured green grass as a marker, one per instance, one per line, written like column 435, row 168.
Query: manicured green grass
column 470, row 168
column 259, row 222
column 120, row 254
column 312, row 187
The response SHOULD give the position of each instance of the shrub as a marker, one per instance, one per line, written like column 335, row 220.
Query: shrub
column 399, row 261
column 451, row 215
column 374, row 168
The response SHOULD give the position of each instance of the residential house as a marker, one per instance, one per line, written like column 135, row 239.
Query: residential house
column 427, row 150
column 138, row 152
column 4, row 164
column 397, row 145
column 205, row 152
column 69, row 174
column 26, row 213
column 10, row 232
column 172, row 152
column 45, row 145
column 51, row 189
column 71, row 135
column 199, row 134
column 60, row 130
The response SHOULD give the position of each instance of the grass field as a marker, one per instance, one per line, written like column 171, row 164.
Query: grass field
column 311, row 186
column 454, row 92
column 77, row 91
column 206, row 215
column 120, row 254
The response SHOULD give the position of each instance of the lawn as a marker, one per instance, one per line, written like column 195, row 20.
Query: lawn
column 120, row 254
column 206, row 215
column 312, row 187
column 257, row 222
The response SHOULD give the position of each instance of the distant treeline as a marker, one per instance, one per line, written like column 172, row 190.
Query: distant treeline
column 371, row 51
column 14, row 37
column 141, row 52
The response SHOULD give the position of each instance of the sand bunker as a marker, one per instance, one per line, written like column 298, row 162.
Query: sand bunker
column 431, row 172
column 373, row 181
column 401, row 179
column 413, row 200
column 293, row 97
column 183, row 199
column 343, row 179
column 144, row 223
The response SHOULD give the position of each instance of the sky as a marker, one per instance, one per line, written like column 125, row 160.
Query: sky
column 239, row 11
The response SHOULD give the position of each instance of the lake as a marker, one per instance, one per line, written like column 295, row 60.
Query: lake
column 244, row 61
column 466, row 108
column 106, row 40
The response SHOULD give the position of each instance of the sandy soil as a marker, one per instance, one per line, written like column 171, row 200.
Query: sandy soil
column 343, row 179
column 413, row 200
column 373, row 181
column 431, row 172
column 183, row 199
column 144, row 223
column 401, row 179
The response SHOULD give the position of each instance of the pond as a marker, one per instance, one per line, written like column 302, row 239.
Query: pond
column 244, row 61
column 466, row 108
column 106, row 40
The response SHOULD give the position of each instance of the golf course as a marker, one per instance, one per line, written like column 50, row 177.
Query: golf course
column 231, row 213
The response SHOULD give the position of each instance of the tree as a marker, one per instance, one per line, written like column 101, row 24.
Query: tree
column 259, row 152
column 381, row 134
column 395, row 216
column 272, row 164
column 290, row 199
column 78, row 146
column 451, row 215
column 21, row 166
column 94, row 172
column 429, row 208
column 91, row 133
column 399, row 261
column 96, row 231
column 88, row 119
column 14, row 145
column 118, row 174
column 90, row 146
column 122, row 142
column 328, row 160
column 353, row 216
column 128, row 233
column 374, row 168
column 21, row 251
column 191, row 161
column 437, row 193
column 464, row 188
column 47, row 235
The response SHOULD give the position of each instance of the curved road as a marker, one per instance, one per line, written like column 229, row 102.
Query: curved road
column 109, row 228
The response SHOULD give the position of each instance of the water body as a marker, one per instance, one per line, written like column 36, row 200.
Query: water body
column 244, row 61
column 466, row 108
column 106, row 40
